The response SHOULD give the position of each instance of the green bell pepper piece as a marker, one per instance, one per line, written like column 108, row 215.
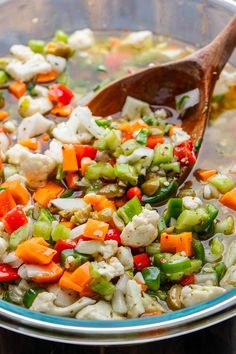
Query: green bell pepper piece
column 108, row 143
column 171, row 167
column 42, row 229
column 162, row 194
column 163, row 153
column 161, row 225
column 67, row 194
column 174, row 209
column 129, row 146
column 152, row 277
column 31, row 295
column 129, row 210
column 103, row 123
column 126, row 173
column 222, row 183
column 141, row 138
column 153, row 249
column 187, row 220
column 102, row 287
column 198, row 250
column 18, row 236
column 60, row 173
column 217, row 246
column 79, row 258
column 208, row 215
column 3, row 77
column 36, row 45
column 60, row 232
column 45, row 215
column 100, row 170
column 220, row 270
column 171, row 264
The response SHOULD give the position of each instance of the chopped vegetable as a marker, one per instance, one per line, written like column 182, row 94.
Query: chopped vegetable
column 95, row 229
column 59, row 93
column 8, row 273
column 18, row 89
column 14, row 219
column 162, row 193
column 141, row 261
column 35, row 251
column 69, row 158
column 223, row 183
column 130, row 209
column 45, row 194
column 177, row 243
column 18, row 191
column 152, row 277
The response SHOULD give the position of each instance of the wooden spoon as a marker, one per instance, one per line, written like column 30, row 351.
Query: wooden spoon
column 159, row 85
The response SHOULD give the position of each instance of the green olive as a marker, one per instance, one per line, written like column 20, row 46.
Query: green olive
column 151, row 186
column 173, row 297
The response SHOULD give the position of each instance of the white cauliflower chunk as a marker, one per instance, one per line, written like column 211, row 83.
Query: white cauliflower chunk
column 142, row 230
column 118, row 302
column 179, row 136
column 4, row 142
column 192, row 203
column 36, row 168
column 25, row 71
column 33, row 126
column 57, row 63
column 55, row 151
column 134, row 109
column 27, row 105
column 124, row 255
column 229, row 280
column 79, row 128
column 138, row 40
column 16, row 154
column 134, row 299
column 230, row 255
column 143, row 153
column 150, row 304
column 82, row 39
column 45, row 303
column 64, row 297
column 194, row 294
column 3, row 247
column 106, row 249
column 110, row 269
column 21, row 52
column 102, row 310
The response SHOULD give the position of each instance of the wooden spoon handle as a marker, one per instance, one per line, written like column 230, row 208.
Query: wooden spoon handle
column 215, row 55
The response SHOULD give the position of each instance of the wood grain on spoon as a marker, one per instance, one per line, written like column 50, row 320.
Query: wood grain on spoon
column 159, row 85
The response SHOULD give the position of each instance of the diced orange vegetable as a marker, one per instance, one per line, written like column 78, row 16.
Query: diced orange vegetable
column 7, row 202
column 68, row 224
column 45, row 137
column 35, row 251
column 18, row 191
column 88, row 293
column 171, row 131
column 130, row 128
column 50, row 191
column 95, row 229
column 82, row 275
column 84, row 164
column 29, row 143
column 120, row 202
column 66, row 282
column 69, row 158
column 61, row 111
column 71, row 179
column 204, row 175
column 177, row 243
column 229, row 199
column 54, row 273
column 47, row 77
column 3, row 115
column 99, row 202
column 17, row 88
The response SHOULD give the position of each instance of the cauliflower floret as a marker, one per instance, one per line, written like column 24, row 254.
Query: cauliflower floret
column 143, row 153
column 138, row 40
column 150, row 304
column 17, row 177
column 134, row 299
column 36, row 168
column 32, row 126
column 44, row 303
column 134, row 108
column 194, row 294
column 229, row 280
column 124, row 255
column 102, row 310
column 230, row 255
column 192, row 202
column 21, row 52
column 28, row 105
column 16, row 154
column 4, row 142
column 3, row 247
column 82, row 39
column 25, row 71
column 118, row 302
column 64, row 297
column 142, row 230
column 57, row 63
column 55, row 150
column 179, row 136
column 79, row 128
column 111, row 269
column 17, row 292
column 107, row 249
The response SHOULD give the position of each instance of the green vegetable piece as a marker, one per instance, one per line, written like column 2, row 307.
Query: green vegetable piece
column 129, row 146
column 126, row 173
column 42, row 229
column 63, row 78
column 162, row 194
column 31, row 295
column 199, row 251
column 78, row 260
column 7, row 296
column 174, row 209
column 45, row 215
column 149, row 120
column 217, row 246
column 194, row 268
column 141, row 138
column 226, row 226
column 2, row 100
column 60, row 173
column 181, row 103
column 103, row 123
column 60, row 232
column 173, row 265
column 163, row 153
column 208, row 215
column 152, row 277
column 18, row 236
column 153, row 249
column 67, row 194
column 171, row 167
column 220, row 270
column 3, row 77
column 187, row 220
column 100, row 170
column 161, row 225
column 222, row 183
column 110, row 142
column 37, row 45
column 129, row 210
column 61, row 36
column 102, row 287
column 151, row 186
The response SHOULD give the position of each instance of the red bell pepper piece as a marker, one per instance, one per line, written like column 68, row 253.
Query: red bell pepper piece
column 85, row 151
column 188, row 279
column 8, row 273
column 153, row 140
column 7, row 202
column 185, row 153
column 59, row 93
column 134, row 192
column 14, row 219
column 62, row 245
column 113, row 234
column 141, row 261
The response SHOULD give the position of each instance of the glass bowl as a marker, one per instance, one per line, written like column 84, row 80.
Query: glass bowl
column 192, row 21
